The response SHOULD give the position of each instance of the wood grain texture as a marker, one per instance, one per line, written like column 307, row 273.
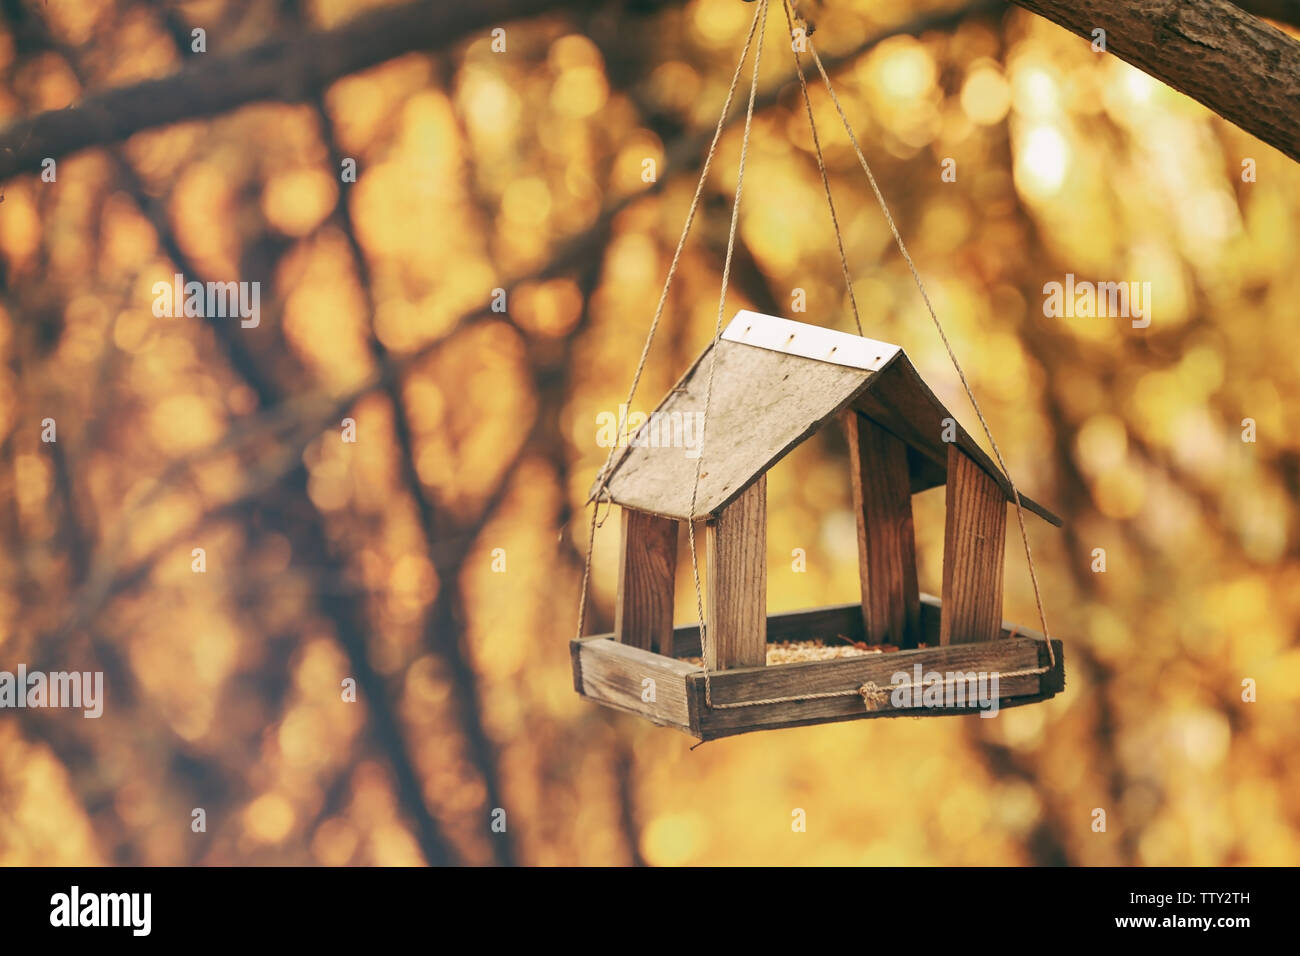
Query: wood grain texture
column 612, row 674
column 882, row 501
column 899, row 400
column 973, row 553
column 615, row 674
column 751, row 684
column 834, row 623
column 575, row 659
column 737, row 605
column 765, row 403
column 647, row 571
column 1242, row 68
column 824, row 622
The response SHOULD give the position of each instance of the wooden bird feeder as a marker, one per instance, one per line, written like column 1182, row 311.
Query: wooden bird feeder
column 775, row 383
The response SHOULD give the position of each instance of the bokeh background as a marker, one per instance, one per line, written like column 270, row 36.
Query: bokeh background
column 477, row 431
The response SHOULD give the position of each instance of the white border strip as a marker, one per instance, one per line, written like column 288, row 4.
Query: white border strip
column 809, row 341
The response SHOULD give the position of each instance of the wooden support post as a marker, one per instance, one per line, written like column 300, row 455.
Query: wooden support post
column 973, row 553
column 882, row 501
column 647, row 570
column 737, row 611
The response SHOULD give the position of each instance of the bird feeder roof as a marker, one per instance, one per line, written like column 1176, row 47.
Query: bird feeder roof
column 776, row 382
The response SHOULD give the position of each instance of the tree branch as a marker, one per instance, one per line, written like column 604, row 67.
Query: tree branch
column 1244, row 69
column 289, row 70
column 441, row 630
column 1283, row 11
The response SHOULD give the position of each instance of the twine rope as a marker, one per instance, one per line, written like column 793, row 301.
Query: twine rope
column 713, row 353
column 902, row 248
column 603, row 476
column 821, row 163
column 873, row 695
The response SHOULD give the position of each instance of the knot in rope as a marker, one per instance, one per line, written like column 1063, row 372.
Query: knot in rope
column 873, row 695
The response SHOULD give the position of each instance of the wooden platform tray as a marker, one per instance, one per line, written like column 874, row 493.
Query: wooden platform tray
column 615, row 674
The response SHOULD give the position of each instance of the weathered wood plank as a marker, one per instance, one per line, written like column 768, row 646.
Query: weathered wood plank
column 744, row 438
column 750, row 684
column 974, row 545
column 619, row 672
column 823, row 622
column 815, row 677
column 647, row 570
column 826, row 623
column 737, row 606
column 882, row 501
column 615, row 674
column 785, row 716
column 899, row 400
column 575, row 659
